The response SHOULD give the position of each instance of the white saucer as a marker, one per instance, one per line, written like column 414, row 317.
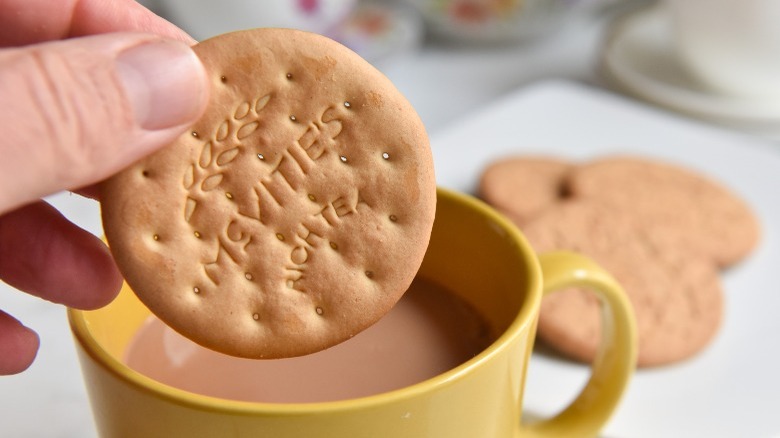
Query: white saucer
column 638, row 58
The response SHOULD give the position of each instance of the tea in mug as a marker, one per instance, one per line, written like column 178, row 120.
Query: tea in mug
column 428, row 332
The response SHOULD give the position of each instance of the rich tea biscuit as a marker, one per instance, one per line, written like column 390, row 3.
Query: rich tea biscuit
column 293, row 215
column 669, row 199
column 523, row 186
column 677, row 297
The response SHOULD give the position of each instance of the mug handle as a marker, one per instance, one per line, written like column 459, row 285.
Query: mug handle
column 616, row 359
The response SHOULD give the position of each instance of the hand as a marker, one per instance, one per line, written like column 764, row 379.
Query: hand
column 82, row 98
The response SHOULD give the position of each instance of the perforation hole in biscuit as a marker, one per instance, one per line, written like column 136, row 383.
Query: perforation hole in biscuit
column 223, row 79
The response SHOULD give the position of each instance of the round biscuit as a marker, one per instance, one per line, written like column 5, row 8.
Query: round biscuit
column 708, row 217
column 523, row 186
column 677, row 297
column 294, row 213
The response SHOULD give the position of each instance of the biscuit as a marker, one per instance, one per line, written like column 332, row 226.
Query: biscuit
column 677, row 297
column 523, row 186
column 293, row 214
column 708, row 218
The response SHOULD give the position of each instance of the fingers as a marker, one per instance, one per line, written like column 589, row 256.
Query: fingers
column 47, row 256
column 24, row 22
column 77, row 111
column 91, row 192
column 18, row 345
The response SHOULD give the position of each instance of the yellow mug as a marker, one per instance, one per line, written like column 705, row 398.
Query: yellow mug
column 475, row 253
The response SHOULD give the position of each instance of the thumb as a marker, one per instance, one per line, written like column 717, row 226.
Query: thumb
column 76, row 111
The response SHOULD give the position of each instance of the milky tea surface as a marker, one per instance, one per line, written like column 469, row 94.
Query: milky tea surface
column 428, row 332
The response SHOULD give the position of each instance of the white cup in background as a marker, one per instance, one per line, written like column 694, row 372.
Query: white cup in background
column 731, row 46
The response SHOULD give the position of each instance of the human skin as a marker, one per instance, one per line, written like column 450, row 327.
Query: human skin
column 88, row 87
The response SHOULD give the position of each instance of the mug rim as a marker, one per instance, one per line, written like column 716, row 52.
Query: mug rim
column 521, row 321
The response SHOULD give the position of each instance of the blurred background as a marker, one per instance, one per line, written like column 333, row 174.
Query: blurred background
column 451, row 56
column 447, row 56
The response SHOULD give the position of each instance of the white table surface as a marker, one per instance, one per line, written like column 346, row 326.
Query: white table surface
column 443, row 83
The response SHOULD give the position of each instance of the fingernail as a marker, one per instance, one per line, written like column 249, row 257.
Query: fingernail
column 165, row 83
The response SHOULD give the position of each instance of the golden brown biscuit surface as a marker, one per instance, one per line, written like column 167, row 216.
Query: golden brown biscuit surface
column 661, row 229
column 524, row 186
column 294, row 214
column 709, row 218
column 677, row 297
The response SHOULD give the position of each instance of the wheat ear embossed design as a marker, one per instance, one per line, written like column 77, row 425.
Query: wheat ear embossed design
column 207, row 172
column 280, row 187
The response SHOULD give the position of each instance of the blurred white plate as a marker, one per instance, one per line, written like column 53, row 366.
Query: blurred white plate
column 638, row 58
column 730, row 390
